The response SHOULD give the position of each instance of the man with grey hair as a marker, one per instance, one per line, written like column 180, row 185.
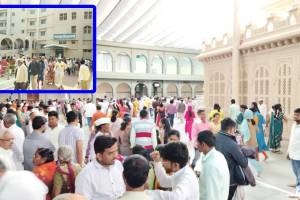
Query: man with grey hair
column 6, row 154
column 9, row 122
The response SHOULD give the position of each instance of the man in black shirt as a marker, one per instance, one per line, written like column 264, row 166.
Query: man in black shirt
column 34, row 71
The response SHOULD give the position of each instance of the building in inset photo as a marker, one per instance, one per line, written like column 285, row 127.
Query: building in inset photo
column 59, row 39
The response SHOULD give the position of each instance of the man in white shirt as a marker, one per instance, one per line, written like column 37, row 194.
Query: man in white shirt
column 104, row 106
column 234, row 110
column 183, row 181
column 135, row 174
column 53, row 129
column 293, row 152
column 9, row 122
column 214, row 179
column 102, row 127
column 84, row 75
column 20, row 185
column 72, row 136
column 262, row 108
column 102, row 178
column 89, row 110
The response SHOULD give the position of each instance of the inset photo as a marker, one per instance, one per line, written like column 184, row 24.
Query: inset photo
column 47, row 48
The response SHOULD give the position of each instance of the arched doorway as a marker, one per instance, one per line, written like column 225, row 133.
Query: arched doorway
column 172, row 90
column 6, row 44
column 157, row 89
column 19, row 44
column 141, row 90
column 123, row 90
column 26, row 44
column 186, row 90
column 105, row 89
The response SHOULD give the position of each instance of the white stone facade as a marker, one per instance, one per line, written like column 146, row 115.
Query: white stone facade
column 268, row 67
column 111, row 83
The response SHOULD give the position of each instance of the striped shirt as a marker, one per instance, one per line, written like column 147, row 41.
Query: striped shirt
column 143, row 133
column 69, row 136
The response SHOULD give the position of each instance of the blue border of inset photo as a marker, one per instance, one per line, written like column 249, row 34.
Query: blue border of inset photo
column 94, row 50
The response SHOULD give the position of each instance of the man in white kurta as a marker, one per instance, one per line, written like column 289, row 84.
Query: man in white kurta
column 53, row 128
column 102, row 178
column 84, row 76
column 59, row 73
column 214, row 178
column 234, row 110
column 21, row 76
column 19, row 137
column 183, row 182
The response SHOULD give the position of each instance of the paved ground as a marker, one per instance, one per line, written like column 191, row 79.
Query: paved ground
column 276, row 175
column 273, row 182
column 69, row 83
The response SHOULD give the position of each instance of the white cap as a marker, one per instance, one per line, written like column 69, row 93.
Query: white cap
column 101, row 121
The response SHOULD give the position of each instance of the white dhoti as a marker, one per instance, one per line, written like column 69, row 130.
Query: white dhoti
column 59, row 77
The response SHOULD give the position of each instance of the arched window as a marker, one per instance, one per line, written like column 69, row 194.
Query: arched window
column 261, row 85
column 87, row 30
column 171, row 67
column 243, row 87
column 284, row 87
column 248, row 33
column 198, row 68
column 216, row 89
column 123, row 63
column 270, row 27
column 156, row 65
column 213, row 43
column 292, row 20
column 140, row 64
column 104, row 62
column 225, row 40
column 185, row 66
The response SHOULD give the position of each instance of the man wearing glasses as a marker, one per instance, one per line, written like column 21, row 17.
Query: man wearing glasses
column 6, row 154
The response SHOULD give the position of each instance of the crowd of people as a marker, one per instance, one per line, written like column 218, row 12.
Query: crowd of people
column 134, row 149
column 33, row 73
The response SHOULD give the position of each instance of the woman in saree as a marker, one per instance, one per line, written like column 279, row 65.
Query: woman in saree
column 66, row 172
column 262, row 147
column 45, row 168
column 276, row 128
column 51, row 73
